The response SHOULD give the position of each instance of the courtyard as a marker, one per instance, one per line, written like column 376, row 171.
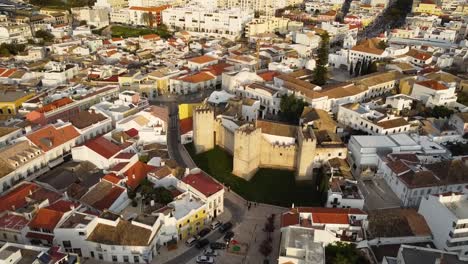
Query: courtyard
column 271, row 186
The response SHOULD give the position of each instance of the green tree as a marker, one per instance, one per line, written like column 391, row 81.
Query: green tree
column 364, row 67
column 382, row 45
column 320, row 71
column 343, row 253
column 372, row 67
column 440, row 111
column 45, row 35
column 291, row 108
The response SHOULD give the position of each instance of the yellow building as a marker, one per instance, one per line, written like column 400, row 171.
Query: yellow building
column 11, row 100
column 162, row 77
column 186, row 110
column 190, row 214
column 428, row 7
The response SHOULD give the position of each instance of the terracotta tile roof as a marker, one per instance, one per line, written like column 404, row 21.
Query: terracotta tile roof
column 54, row 105
column 62, row 206
column 132, row 132
column 137, row 173
column 124, row 234
column 125, row 155
column 46, row 219
column 197, row 77
column 155, row 9
column 369, row 46
column 112, row 178
column 420, row 55
column 160, row 112
column 330, row 218
column 13, row 221
column 393, row 123
column 268, row 75
column 217, row 69
column 162, row 172
column 102, row 195
column 50, row 137
column 186, row 125
column 435, row 85
column 119, row 166
column 151, row 36
column 290, row 218
column 278, row 129
column 202, row 59
column 203, row 183
column 85, row 119
column 103, row 147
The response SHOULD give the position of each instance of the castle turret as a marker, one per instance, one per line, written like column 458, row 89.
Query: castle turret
column 305, row 154
column 246, row 151
column 203, row 129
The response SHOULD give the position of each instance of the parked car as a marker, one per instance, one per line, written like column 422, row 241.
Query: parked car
column 191, row 241
column 215, row 225
column 210, row 252
column 203, row 232
column 228, row 236
column 217, row 245
column 205, row 259
column 225, row 227
column 202, row 243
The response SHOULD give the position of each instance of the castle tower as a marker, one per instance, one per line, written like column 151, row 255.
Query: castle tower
column 204, row 135
column 247, row 142
column 305, row 154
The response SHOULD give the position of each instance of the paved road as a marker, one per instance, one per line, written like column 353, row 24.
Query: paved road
column 232, row 202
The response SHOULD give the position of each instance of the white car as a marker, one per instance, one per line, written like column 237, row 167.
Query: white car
column 190, row 242
column 210, row 252
column 205, row 259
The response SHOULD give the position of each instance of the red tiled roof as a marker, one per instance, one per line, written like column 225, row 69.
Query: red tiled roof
column 46, row 237
column 186, row 125
column 197, row 77
column 217, row 69
column 119, row 166
column 155, row 9
column 289, row 218
column 103, row 147
column 55, row 105
column 12, row 221
column 132, row 132
column 126, row 156
column 352, row 211
column 137, row 173
column 62, row 206
column 435, row 85
column 268, row 75
column 330, row 218
column 151, row 36
column 202, row 59
column 17, row 197
column 46, row 218
column 50, row 137
column 112, row 178
column 203, row 183
column 109, row 199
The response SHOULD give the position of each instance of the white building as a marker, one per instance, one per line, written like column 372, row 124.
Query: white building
column 18, row 33
column 413, row 177
column 299, row 245
column 228, row 23
column 192, row 83
column 266, row 24
column 344, row 193
column 432, row 93
column 110, row 238
column 399, row 101
column 98, row 17
column 412, row 254
column 447, row 217
column 363, row 118
column 150, row 125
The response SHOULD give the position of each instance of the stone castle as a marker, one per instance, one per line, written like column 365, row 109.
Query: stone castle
column 264, row 144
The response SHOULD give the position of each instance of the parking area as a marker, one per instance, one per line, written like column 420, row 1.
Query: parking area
column 249, row 235
column 378, row 194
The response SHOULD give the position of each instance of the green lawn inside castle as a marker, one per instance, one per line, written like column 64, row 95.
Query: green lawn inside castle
column 272, row 186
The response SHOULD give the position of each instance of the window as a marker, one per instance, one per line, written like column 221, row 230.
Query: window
column 81, row 233
column 114, row 258
column 100, row 256
column 136, row 259
column 4, row 236
column 126, row 259
column 92, row 254
column 66, row 244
